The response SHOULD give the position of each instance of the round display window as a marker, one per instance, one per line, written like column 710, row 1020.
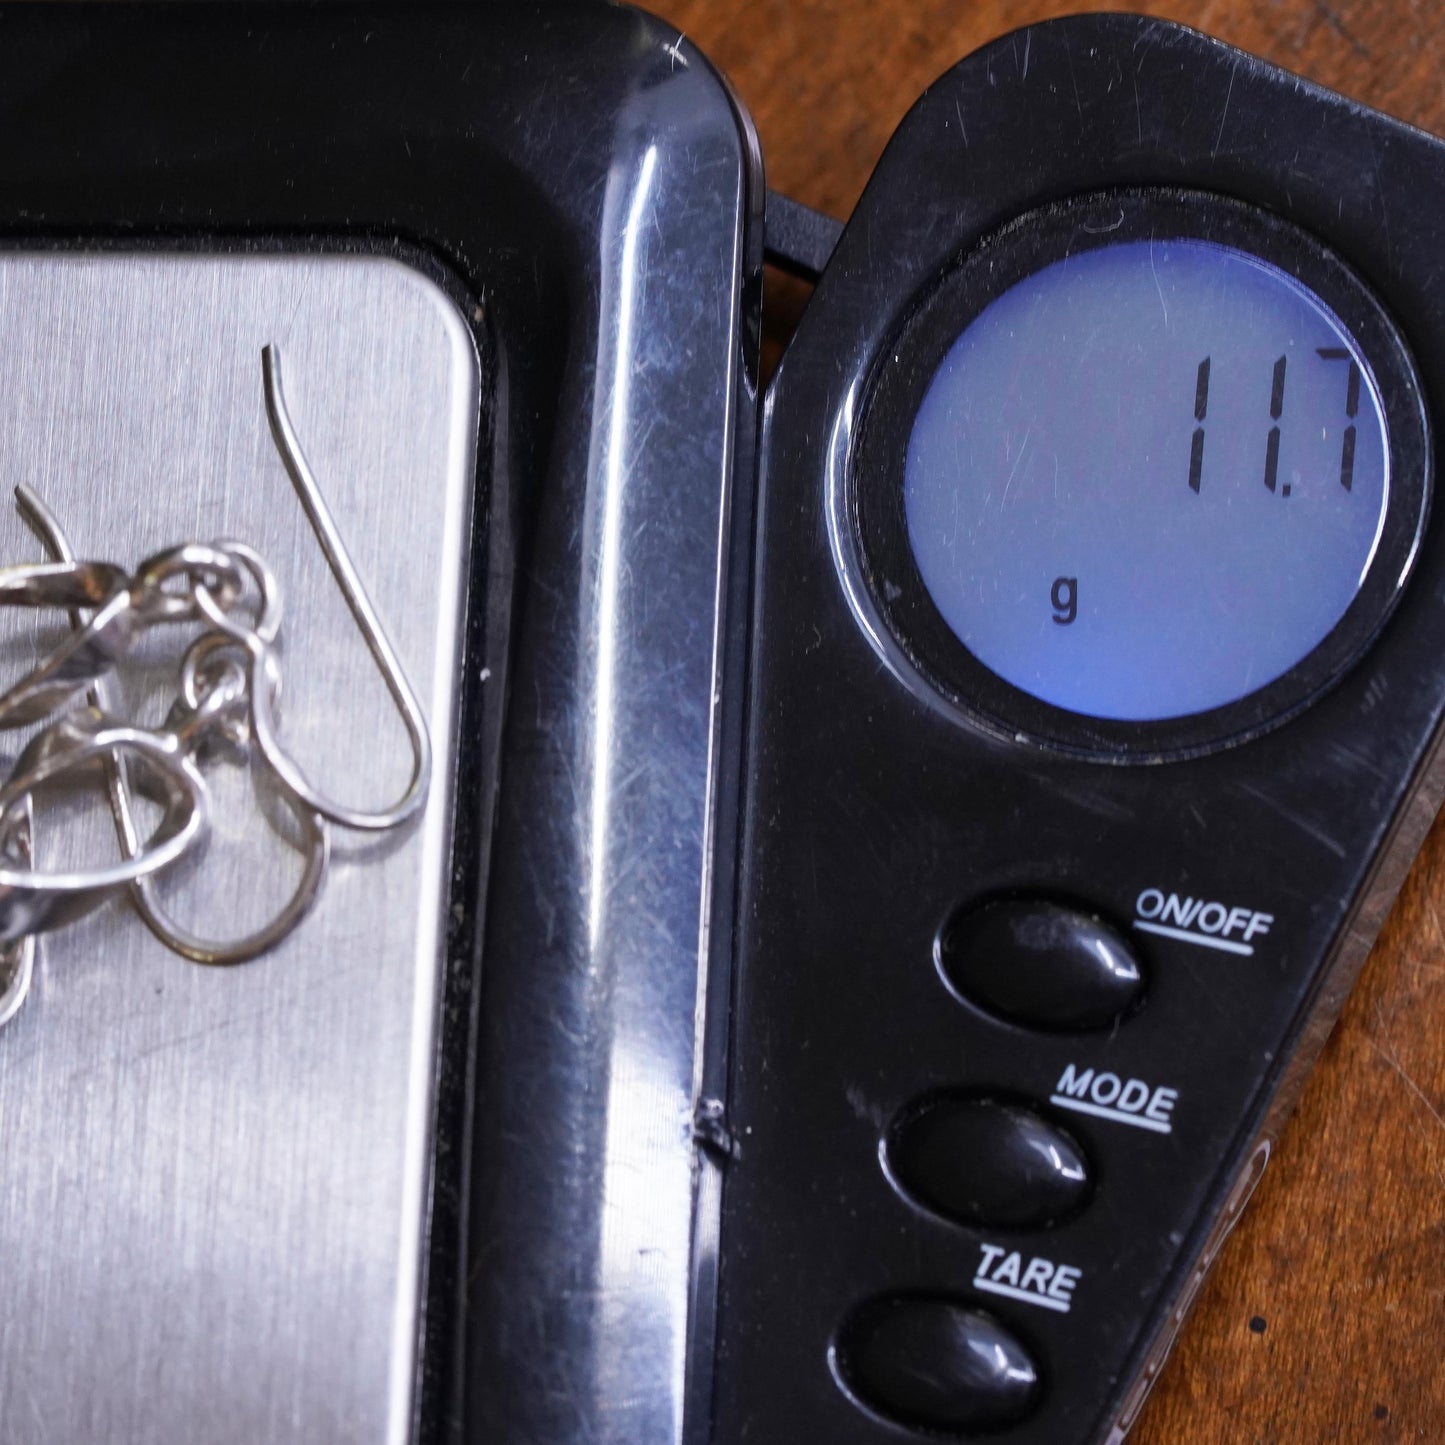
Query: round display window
column 1146, row 472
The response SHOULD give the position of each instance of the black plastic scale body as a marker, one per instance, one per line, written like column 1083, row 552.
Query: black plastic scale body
column 858, row 1305
column 718, row 1119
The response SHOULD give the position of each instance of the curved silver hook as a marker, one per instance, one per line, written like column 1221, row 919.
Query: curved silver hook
column 35, row 902
column 123, row 608
column 367, row 621
column 17, row 959
column 87, row 654
column 318, row 850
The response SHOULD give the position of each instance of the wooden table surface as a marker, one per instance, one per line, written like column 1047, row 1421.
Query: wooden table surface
column 1324, row 1320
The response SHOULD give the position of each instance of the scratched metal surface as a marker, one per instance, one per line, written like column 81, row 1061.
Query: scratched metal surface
column 212, row 1181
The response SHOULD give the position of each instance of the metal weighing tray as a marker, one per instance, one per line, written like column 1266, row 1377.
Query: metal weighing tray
column 238, row 1156
column 432, row 1171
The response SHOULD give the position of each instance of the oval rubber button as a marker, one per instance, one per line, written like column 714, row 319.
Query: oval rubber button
column 935, row 1364
column 1041, row 964
column 981, row 1161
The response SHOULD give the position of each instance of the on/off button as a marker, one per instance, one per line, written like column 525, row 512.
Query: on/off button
column 1040, row 964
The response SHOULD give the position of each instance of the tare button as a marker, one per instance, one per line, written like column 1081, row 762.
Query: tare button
column 1205, row 922
column 1031, row 1279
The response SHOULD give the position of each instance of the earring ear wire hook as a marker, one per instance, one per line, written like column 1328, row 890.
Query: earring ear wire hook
column 17, row 959
column 120, row 607
column 354, row 592
column 93, row 737
column 180, row 940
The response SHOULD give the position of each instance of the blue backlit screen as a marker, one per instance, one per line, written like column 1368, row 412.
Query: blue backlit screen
column 1148, row 479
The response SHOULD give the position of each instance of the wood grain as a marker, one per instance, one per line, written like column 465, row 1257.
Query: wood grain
column 1325, row 1318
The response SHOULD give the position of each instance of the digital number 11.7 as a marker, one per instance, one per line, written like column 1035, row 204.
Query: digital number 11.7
column 1276, row 412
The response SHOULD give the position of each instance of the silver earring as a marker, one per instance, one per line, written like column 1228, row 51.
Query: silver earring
column 230, row 684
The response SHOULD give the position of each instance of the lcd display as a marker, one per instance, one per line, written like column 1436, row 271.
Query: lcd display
column 1148, row 479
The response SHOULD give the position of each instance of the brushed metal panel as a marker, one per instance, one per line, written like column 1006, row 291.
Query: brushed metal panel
column 212, row 1181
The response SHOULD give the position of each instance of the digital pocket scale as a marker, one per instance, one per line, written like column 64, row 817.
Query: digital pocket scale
column 893, row 851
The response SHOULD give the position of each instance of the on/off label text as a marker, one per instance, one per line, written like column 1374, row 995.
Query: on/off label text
column 1225, row 927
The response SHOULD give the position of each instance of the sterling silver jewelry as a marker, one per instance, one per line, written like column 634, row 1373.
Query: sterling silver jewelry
column 229, row 691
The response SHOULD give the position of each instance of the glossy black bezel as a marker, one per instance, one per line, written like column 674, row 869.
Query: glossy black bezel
column 874, row 499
